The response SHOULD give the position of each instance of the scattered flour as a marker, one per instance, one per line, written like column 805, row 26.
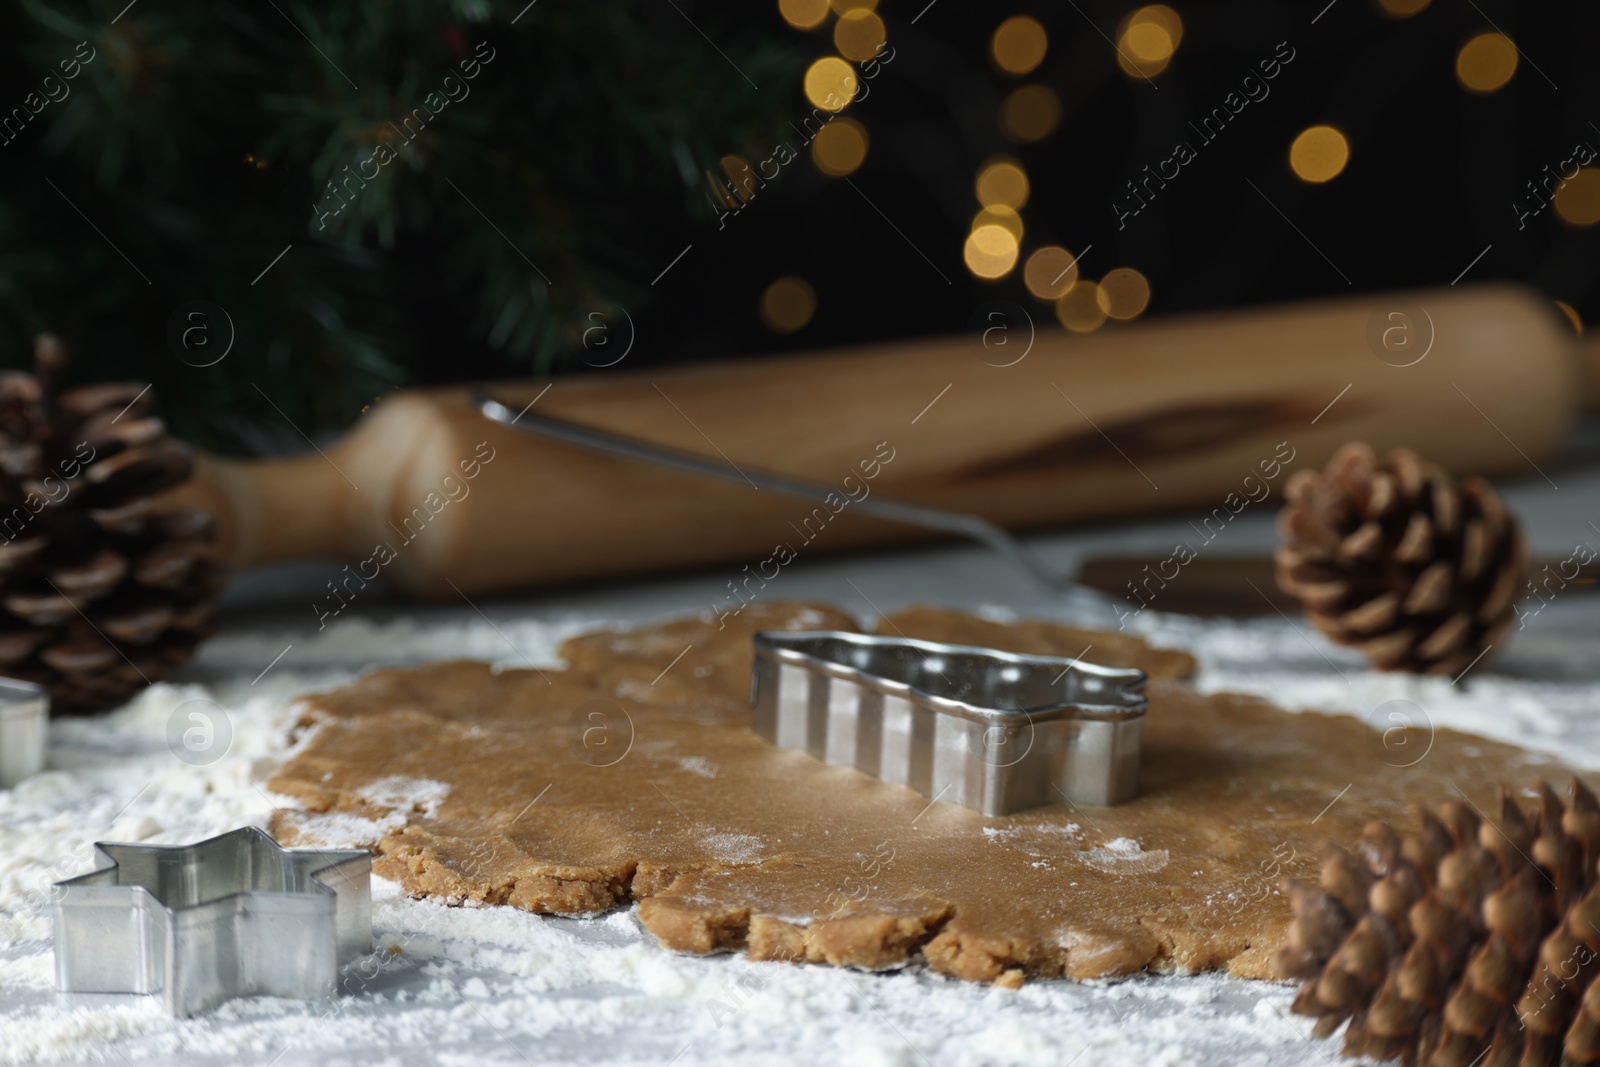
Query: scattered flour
column 405, row 795
column 734, row 848
column 998, row 834
column 1123, row 855
column 698, row 765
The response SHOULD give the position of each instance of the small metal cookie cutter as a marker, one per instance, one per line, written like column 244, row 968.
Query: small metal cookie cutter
column 236, row 915
column 24, row 721
column 995, row 731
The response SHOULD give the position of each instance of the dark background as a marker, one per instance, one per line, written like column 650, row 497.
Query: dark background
column 201, row 134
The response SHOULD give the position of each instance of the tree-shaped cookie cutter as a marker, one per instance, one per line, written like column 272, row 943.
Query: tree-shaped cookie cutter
column 236, row 915
column 995, row 731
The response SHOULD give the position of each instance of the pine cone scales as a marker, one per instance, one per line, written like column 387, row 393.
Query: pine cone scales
column 1396, row 559
column 1468, row 942
column 101, row 591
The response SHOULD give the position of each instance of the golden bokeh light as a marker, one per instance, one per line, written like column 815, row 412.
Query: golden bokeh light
column 722, row 194
column 1030, row 113
column 1124, row 294
column 1160, row 15
column 742, row 183
column 990, row 252
column 844, row 7
column 1401, row 9
column 1079, row 309
column 1319, row 154
column 831, row 83
column 1571, row 313
column 1577, row 202
column 839, row 147
column 1147, row 40
column 1001, row 216
column 1003, row 182
column 1486, row 62
column 1148, row 43
column 859, row 35
column 788, row 304
column 1019, row 44
column 803, row 14
column 1050, row 272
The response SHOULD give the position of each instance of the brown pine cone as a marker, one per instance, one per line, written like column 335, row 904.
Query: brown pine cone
column 1469, row 942
column 1395, row 558
column 102, row 591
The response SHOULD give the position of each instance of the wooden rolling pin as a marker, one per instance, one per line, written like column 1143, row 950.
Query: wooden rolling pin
column 1173, row 413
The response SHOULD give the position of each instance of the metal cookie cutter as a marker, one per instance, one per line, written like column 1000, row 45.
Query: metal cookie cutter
column 236, row 915
column 995, row 731
column 24, row 719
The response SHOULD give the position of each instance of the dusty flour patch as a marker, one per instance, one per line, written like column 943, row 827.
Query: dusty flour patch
column 403, row 794
column 1123, row 855
column 698, row 765
column 734, row 848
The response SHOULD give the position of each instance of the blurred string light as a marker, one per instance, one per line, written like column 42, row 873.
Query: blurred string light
column 1149, row 37
column 1030, row 113
column 1001, row 216
column 830, row 83
column 1147, row 40
column 740, row 186
column 803, row 14
column 839, row 147
column 1002, row 183
column 1401, row 9
column 742, row 175
column 1486, row 62
column 1123, row 294
column 1571, row 313
column 1050, row 272
column 859, row 34
column 994, row 241
column 1019, row 44
column 788, row 304
column 1319, row 154
column 1577, row 202
column 991, row 251
column 1079, row 308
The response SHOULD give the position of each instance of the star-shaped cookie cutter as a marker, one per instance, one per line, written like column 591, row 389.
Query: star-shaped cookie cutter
column 994, row 731
column 235, row 915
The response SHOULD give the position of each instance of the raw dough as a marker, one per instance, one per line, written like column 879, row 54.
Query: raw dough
column 632, row 775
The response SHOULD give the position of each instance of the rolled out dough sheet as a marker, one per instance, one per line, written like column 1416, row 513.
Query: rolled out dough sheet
column 633, row 775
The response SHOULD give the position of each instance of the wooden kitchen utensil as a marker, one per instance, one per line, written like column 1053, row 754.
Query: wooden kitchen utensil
column 1172, row 413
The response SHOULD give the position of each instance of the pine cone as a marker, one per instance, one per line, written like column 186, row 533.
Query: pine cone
column 1396, row 559
column 1468, row 942
column 102, row 591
